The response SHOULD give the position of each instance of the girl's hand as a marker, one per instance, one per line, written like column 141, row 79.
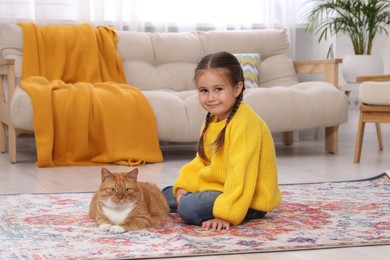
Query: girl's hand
column 216, row 224
column 180, row 193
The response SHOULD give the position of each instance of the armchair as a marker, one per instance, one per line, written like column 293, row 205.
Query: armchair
column 374, row 95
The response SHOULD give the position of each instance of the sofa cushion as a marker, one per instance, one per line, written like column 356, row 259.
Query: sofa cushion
column 375, row 93
column 178, row 114
column 250, row 63
column 21, row 110
column 300, row 106
column 150, row 63
column 277, row 70
column 155, row 61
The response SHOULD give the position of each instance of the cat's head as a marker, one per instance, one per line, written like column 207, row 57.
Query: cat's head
column 119, row 188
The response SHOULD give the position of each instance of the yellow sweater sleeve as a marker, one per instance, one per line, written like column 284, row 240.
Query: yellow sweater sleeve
column 188, row 178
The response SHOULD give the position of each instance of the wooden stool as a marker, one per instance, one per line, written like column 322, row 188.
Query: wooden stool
column 374, row 108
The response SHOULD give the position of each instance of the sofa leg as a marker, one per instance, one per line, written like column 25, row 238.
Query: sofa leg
column 12, row 143
column 288, row 137
column 3, row 138
column 332, row 139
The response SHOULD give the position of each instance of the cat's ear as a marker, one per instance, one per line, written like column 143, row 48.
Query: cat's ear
column 106, row 174
column 133, row 174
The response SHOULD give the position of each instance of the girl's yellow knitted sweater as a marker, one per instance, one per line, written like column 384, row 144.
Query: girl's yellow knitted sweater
column 244, row 170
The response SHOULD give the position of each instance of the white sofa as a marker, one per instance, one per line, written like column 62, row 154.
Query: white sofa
column 162, row 66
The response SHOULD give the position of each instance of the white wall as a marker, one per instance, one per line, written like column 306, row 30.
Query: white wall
column 381, row 48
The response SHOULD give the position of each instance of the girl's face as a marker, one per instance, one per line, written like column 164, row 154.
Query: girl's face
column 216, row 94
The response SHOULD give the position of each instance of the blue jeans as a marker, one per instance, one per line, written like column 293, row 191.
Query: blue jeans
column 197, row 207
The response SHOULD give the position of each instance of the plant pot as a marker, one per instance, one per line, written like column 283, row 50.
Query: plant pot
column 361, row 65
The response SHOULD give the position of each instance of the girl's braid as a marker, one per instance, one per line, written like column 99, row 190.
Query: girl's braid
column 235, row 108
column 200, row 147
column 220, row 140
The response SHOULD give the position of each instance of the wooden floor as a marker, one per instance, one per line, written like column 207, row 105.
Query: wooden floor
column 304, row 161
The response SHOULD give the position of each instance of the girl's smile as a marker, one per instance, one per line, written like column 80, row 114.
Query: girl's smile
column 216, row 94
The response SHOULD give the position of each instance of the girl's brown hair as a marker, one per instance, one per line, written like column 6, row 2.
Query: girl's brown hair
column 232, row 70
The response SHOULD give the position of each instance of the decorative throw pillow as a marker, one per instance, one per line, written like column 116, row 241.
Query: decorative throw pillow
column 250, row 63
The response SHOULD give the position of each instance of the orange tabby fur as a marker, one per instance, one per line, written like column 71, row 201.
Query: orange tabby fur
column 122, row 204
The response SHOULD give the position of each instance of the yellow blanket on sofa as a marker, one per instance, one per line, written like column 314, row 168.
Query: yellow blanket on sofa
column 81, row 117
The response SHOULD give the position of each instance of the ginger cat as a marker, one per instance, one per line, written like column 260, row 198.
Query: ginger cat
column 122, row 204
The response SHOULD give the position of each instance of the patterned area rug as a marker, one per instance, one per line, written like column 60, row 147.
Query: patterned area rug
column 316, row 215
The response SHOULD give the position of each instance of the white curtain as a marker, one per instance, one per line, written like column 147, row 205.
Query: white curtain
column 158, row 15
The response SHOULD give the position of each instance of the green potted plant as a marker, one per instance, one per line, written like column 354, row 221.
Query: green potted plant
column 361, row 20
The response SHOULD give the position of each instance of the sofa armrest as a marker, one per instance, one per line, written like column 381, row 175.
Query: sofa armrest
column 7, row 130
column 329, row 68
column 385, row 77
column 7, row 74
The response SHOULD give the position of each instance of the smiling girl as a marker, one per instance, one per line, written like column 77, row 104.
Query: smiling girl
column 234, row 175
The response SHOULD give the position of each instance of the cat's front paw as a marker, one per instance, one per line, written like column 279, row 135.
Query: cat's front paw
column 105, row 227
column 117, row 229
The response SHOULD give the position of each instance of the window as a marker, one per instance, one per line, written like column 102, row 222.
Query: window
column 166, row 15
